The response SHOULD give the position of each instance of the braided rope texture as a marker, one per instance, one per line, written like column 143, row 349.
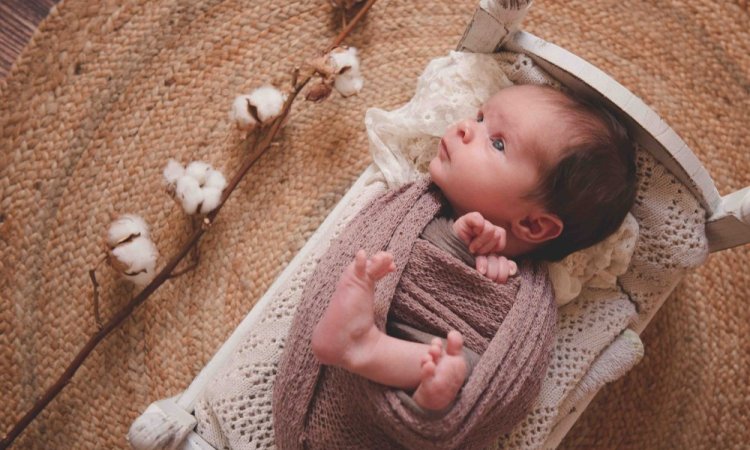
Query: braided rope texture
column 107, row 91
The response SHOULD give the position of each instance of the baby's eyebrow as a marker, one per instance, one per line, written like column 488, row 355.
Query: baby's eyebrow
column 509, row 130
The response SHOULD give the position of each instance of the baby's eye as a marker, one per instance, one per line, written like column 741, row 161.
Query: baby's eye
column 498, row 144
column 480, row 117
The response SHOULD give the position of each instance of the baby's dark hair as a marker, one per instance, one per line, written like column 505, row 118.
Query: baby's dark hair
column 593, row 184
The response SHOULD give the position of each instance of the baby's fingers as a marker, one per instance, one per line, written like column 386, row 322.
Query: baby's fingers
column 483, row 242
column 496, row 268
column 468, row 226
column 380, row 265
column 489, row 239
column 499, row 238
column 481, row 264
column 493, row 268
column 505, row 269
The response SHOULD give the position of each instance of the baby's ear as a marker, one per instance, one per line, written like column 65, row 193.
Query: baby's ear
column 538, row 227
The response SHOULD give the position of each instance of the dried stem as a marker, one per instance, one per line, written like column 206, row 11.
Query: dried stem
column 195, row 256
column 92, row 275
column 261, row 145
column 342, row 11
column 193, row 265
column 97, row 317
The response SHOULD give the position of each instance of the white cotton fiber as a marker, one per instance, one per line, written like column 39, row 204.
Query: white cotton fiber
column 216, row 180
column 189, row 193
column 346, row 64
column 240, row 113
column 198, row 170
column 173, row 171
column 198, row 185
column 139, row 257
column 124, row 227
column 347, row 84
column 268, row 100
column 211, row 198
column 342, row 58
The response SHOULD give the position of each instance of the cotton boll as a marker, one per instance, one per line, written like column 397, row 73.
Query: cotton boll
column 215, row 180
column 348, row 85
column 341, row 58
column 198, row 170
column 211, row 199
column 268, row 101
column 136, row 260
column 346, row 64
column 240, row 113
column 173, row 171
column 189, row 193
column 124, row 227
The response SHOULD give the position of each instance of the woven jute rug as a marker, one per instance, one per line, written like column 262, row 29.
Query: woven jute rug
column 106, row 92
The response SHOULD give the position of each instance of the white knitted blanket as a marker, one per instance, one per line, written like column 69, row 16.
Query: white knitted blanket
column 600, row 302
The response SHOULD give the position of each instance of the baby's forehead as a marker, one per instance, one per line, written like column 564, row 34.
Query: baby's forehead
column 534, row 115
column 530, row 94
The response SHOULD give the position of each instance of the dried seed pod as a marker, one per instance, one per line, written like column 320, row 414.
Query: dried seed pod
column 322, row 65
column 319, row 92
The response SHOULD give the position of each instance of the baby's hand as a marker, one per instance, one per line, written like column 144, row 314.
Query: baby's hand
column 479, row 234
column 495, row 267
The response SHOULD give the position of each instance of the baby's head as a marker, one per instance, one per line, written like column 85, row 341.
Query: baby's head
column 557, row 173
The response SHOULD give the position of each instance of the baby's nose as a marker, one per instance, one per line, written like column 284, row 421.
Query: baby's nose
column 465, row 131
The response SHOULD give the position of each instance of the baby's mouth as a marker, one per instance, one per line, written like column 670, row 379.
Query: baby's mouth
column 443, row 151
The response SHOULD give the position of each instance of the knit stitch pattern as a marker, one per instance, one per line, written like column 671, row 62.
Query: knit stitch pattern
column 511, row 325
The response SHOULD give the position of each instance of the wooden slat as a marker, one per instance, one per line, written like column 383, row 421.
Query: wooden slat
column 18, row 21
column 730, row 225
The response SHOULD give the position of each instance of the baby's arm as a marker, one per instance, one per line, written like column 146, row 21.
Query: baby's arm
column 346, row 336
column 486, row 240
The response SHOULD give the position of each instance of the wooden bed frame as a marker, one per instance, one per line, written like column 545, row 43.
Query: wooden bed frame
column 727, row 221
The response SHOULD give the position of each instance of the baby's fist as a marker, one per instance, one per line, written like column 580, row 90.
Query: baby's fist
column 479, row 234
column 495, row 267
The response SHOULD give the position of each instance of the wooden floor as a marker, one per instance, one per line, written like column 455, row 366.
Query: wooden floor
column 18, row 20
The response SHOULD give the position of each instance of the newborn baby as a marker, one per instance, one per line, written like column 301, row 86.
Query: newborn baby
column 536, row 174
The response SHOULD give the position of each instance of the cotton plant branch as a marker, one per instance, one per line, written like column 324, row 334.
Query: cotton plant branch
column 256, row 143
column 196, row 256
column 346, row 8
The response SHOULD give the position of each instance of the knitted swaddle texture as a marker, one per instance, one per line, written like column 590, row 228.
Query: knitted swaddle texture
column 511, row 325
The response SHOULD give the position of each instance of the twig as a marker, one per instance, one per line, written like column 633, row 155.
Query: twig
column 97, row 317
column 195, row 257
column 342, row 11
column 92, row 275
column 193, row 265
column 257, row 150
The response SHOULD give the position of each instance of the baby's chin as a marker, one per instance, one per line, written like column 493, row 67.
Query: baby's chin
column 434, row 169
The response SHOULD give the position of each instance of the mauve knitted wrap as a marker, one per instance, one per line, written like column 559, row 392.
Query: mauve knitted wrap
column 510, row 325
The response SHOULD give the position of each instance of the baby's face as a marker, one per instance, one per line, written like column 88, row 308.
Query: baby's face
column 489, row 164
